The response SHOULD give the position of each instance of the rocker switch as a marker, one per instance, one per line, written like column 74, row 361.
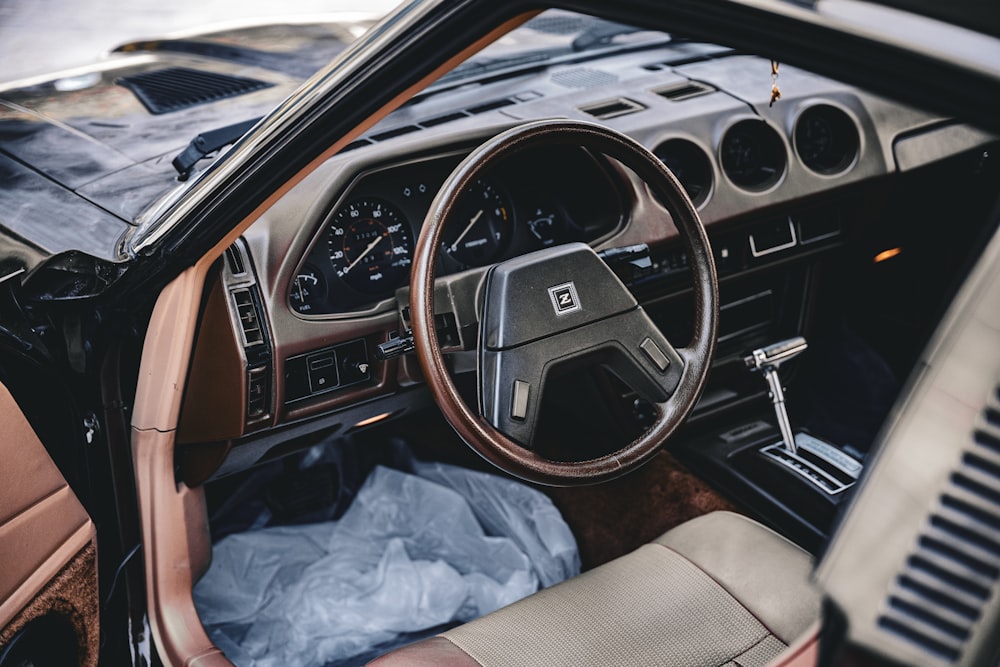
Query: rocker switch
column 519, row 401
column 655, row 354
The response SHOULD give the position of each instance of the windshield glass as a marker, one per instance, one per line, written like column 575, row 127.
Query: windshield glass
column 554, row 35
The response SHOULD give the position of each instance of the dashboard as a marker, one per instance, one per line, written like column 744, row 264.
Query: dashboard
column 363, row 249
column 303, row 301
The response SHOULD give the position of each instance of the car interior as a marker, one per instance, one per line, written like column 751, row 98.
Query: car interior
column 696, row 367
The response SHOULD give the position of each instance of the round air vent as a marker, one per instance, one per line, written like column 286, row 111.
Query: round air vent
column 690, row 165
column 826, row 139
column 753, row 155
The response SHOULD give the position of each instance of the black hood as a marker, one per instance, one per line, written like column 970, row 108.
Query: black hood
column 83, row 155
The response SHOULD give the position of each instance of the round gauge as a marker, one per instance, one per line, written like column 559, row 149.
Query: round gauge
column 826, row 139
column 690, row 165
column 547, row 226
column 369, row 245
column 308, row 289
column 753, row 155
column 482, row 226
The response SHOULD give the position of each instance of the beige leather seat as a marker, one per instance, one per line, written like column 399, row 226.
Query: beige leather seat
column 718, row 590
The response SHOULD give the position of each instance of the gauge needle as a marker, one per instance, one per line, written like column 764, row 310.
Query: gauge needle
column 364, row 253
column 468, row 228
column 302, row 295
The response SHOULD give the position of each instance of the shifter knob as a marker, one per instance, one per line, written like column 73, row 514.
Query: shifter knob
column 767, row 360
column 775, row 353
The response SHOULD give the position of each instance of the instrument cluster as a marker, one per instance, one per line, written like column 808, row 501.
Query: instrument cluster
column 363, row 251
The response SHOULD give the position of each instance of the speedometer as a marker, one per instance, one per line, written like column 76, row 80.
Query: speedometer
column 370, row 245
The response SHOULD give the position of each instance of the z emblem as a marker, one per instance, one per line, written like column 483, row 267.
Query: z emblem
column 564, row 298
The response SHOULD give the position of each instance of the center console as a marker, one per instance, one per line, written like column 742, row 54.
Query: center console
column 790, row 477
column 791, row 472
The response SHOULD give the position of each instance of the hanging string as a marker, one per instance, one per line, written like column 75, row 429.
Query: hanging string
column 775, row 91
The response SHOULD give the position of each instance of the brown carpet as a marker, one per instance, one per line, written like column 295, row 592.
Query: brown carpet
column 612, row 519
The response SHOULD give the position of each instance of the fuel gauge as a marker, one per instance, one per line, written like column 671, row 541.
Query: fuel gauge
column 547, row 225
column 308, row 289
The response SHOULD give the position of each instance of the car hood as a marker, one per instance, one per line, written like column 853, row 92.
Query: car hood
column 83, row 154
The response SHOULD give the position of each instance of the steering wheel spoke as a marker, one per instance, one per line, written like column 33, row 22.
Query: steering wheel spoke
column 512, row 381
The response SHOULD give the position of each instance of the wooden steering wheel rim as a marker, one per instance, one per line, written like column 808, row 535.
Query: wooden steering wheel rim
column 472, row 427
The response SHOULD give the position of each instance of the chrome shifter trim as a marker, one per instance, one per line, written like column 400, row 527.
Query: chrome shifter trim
column 827, row 480
column 767, row 360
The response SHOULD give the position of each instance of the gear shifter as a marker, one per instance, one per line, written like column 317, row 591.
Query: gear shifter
column 767, row 360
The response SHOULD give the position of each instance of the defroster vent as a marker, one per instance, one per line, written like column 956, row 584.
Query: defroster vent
column 175, row 88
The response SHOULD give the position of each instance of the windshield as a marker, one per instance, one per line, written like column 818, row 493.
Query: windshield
column 552, row 36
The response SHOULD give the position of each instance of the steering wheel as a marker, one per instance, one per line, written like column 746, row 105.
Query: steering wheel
column 558, row 305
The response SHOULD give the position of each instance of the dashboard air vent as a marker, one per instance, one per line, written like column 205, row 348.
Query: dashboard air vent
column 176, row 88
column 235, row 261
column 246, row 310
column 685, row 91
column 612, row 108
column 940, row 593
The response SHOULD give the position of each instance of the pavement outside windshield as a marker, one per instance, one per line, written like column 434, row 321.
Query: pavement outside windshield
column 42, row 36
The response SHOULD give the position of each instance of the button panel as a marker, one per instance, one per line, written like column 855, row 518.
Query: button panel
column 326, row 370
column 322, row 369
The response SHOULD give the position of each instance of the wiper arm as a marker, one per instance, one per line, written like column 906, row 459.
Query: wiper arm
column 600, row 33
column 207, row 143
column 486, row 66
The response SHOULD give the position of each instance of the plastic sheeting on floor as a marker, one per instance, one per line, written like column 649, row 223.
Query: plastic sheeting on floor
column 412, row 552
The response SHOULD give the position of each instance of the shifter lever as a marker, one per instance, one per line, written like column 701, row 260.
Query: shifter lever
column 767, row 360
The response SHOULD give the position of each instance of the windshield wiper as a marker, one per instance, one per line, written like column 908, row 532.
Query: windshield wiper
column 207, row 143
column 600, row 33
column 490, row 65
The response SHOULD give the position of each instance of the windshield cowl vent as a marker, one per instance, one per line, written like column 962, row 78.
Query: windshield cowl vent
column 685, row 91
column 395, row 132
column 612, row 108
column 176, row 88
column 434, row 121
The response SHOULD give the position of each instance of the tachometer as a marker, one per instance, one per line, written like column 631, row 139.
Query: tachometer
column 483, row 228
column 370, row 245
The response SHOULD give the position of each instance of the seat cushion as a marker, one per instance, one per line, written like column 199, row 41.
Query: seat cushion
column 690, row 598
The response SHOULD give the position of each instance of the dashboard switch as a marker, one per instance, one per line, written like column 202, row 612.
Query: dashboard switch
column 395, row 347
column 354, row 366
column 519, row 401
column 655, row 354
column 323, row 371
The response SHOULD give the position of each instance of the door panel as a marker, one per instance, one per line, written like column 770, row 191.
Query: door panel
column 48, row 551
